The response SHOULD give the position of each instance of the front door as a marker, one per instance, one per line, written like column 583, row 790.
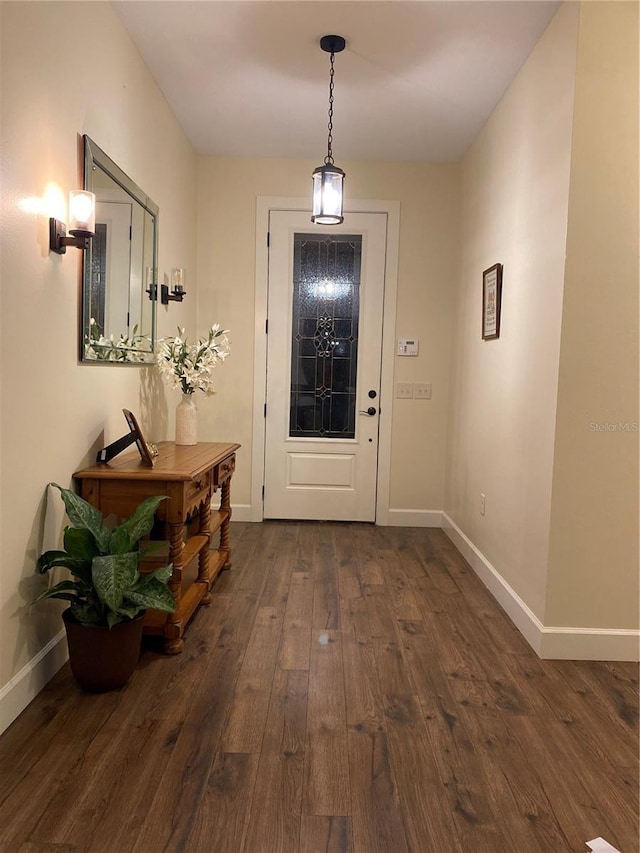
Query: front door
column 326, row 291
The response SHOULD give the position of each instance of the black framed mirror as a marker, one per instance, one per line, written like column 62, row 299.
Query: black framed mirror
column 119, row 279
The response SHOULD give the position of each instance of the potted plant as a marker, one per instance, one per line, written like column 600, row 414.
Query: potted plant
column 108, row 595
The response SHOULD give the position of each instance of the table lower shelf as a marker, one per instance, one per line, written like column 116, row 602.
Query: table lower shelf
column 192, row 593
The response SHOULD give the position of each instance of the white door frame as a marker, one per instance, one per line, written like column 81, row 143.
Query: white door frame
column 392, row 210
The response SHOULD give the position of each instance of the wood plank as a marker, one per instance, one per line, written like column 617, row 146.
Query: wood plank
column 278, row 579
column 325, row 835
column 221, row 819
column 376, row 820
column 277, row 798
column 295, row 649
column 369, row 557
column 517, row 794
column 364, row 708
column 181, row 787
column 427, row 824
column 245, row 727
column 71, row 817
column 51, row 761
column 326, row 759
column 326, row 606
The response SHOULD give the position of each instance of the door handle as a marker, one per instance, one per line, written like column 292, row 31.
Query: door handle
column 371, row 411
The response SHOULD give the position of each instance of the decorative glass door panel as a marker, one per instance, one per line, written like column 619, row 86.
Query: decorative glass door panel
column 324, row 345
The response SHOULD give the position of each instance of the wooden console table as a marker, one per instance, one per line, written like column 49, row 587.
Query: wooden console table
column 189, row 476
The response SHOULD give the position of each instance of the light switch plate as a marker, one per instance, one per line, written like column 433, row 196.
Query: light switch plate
column 422, row 390
column 404, row 390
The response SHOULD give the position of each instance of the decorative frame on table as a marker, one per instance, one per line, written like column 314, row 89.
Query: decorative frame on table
column 491, row 302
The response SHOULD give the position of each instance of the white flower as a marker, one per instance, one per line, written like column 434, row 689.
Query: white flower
column 190, row 367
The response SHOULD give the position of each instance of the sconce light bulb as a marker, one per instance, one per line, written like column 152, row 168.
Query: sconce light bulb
column 82, row 213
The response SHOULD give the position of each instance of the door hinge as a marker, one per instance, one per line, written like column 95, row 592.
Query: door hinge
column 263, row 493
column 266, row 327
column 265, row 410
column 268, row 239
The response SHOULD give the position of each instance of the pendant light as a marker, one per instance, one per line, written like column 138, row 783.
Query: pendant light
column 328, row 179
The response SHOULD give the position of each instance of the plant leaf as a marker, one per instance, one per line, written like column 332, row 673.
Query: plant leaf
column 113, row 618
column 112, row 576
column 153, row 595
column 50, row 559
column 163, row 574
column 80, row 542
column 80, row 568
column 82, row 514
column 130, row 611
column 61, row 590
column 126, row 536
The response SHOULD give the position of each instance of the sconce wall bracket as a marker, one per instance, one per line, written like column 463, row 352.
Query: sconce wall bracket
column 176, row 294
column 58, row 240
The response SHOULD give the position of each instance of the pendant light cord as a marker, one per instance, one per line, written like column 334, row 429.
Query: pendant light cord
column 329, row 158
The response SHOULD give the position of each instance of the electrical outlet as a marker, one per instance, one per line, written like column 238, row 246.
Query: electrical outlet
column 483, row 503
column 422, row 390
column 404, row 390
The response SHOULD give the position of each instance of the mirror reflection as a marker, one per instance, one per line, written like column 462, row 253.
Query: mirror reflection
column 120, row 267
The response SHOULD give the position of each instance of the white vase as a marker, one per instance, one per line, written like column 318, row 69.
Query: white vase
column 187, row 421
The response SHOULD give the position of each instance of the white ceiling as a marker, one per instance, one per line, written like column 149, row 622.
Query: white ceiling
column 417, row 80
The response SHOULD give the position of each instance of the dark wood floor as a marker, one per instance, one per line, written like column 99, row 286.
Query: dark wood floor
column 351, row 688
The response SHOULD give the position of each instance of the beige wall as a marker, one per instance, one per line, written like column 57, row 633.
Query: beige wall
column 503, row 392
column 428, row 195
column 593, row 559
column 69, row 69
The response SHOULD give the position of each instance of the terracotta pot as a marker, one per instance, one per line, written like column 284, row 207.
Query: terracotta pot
column 101, row 658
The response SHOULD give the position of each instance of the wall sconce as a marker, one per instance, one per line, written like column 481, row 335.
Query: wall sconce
column 82, row 223
column 177, row 292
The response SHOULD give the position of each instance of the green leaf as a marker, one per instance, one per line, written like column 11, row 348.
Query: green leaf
column 153, row 595
column 113, row 575
column 133, row 529
column 113, row 618
column 162, row 574
column 50, row 559
column 61, row 590
column 80, row 542
column 130, row 611
column 82, row 514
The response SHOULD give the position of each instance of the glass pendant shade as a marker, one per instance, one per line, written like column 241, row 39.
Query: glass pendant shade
column 328, row 183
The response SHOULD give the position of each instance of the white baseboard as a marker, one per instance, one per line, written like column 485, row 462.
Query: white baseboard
column 549, row 642
column 414, row 518
column 26, row 684
column 242, row 512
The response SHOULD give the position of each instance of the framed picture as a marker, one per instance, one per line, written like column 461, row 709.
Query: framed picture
column 143, row 448
column 491, row 302
column 146, row 451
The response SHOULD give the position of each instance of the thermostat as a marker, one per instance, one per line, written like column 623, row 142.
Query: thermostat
column 407, row 346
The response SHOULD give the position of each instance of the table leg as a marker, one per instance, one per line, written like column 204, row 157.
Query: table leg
column 173, row 643
column 203, row 557
column 225, row 532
